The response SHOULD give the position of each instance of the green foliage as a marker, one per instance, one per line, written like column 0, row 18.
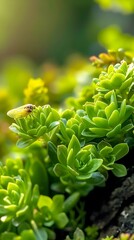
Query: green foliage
column 92, row 232
column 35, row 126
column 24, row 211
column 78, row 235
column 52, row 210
column 68, row 152
column 113, row 38
column 65, row 149
column 119, row 5
column 112, row 57
column 84, row 144
column 16, row 194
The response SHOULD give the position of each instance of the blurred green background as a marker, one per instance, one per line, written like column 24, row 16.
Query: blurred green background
column 51, row 30
column 45, row 47
column 53, row 40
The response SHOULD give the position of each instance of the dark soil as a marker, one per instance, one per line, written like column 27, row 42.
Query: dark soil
column 113, row 206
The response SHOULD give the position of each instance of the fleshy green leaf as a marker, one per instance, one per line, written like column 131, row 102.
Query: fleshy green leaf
column 113, row 119
column 126, row 84
column 109, row 109
column 45, row 201
column 106, row 84
column 120, row 150
column 21, row 143
column 32, row 132
column 83, row 177
column 94, row 164
column 41, row 131
column 24, row 135
column 40, row 234
column 96, row 179
column 129, row 111
column 57, row 205
column 53, row 125
column 122, row 110
column 9, row 236
column 52, row 152
column 101, row 132
column 22, row 212
column 100, row 122
column 62, row 154
column 42, row 118
column 79, row 235
column 117, row 80
column 90, row 110
column 74, row 144
column 113, row 133
column 119, row 170
column 61, row 220
column 68, row 113
column 72, row 171
column 106, row 151
column 71, row 201
column 102, row 145
column 14, row 128
column 60, row 170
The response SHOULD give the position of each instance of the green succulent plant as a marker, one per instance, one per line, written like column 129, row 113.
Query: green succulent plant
column 24, row 213
column 16, row 192
column 82, row 144
column 32, row 128
column 78, row 235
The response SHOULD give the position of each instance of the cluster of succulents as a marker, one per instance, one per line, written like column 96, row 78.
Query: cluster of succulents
column 87, row 142
column 111, row 57
column 24, row 212
column 69, row 151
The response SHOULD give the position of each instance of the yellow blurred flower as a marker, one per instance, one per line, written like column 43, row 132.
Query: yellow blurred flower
column 36, row 92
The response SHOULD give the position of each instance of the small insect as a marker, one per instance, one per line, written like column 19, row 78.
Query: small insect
column 22, row 111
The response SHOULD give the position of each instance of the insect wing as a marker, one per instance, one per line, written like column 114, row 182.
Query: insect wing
column 19, row 112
